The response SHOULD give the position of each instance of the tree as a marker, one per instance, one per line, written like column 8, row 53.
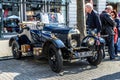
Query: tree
column 81, row 23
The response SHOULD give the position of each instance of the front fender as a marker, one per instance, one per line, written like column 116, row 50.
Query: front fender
column 102, row 40
column 85, row 40
column 57, row 42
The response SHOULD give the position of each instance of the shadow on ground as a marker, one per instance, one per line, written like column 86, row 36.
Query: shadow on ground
column 32, row 69
column 115, row 76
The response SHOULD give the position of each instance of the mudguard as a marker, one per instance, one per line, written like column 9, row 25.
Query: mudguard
column 16, row 38
column 102, row 40
column 57, row 42
column 21, row 40
column 84, row 41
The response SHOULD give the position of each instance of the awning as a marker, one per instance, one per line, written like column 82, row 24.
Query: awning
column 13, row 17
column 113, row 1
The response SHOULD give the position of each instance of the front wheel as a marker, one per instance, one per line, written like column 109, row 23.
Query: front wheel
column 16, row 50
column 55, row 59
column 103, row 53
column 97, row 56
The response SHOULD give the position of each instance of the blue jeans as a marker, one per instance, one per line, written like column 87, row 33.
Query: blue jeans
column 115, row 46
column 111, row 49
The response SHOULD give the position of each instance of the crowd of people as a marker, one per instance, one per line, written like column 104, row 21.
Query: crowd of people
column 106, row 23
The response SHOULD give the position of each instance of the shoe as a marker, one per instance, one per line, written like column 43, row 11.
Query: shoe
column 112, row 58
column 116, row 55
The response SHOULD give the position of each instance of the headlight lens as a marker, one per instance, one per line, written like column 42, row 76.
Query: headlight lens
column 73, row 38
column 91, row 41
column 93, row 33
column 73, row 43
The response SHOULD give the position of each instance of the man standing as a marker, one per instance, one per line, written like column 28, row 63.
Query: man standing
column 107, row 26
column 93, row 19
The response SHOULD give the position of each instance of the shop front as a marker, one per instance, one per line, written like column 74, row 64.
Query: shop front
column 14, row 11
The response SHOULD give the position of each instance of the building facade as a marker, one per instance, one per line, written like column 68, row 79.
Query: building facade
column 24, row 10
column 72, row 14
column 99, row 5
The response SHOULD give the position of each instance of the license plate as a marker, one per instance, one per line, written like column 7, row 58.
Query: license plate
column 83, row 54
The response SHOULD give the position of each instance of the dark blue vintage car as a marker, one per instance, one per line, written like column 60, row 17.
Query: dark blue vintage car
column 52, row 39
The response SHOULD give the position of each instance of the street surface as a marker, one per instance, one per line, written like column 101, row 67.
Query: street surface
column 32, row 69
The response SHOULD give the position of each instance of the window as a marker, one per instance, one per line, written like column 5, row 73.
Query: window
column 10, row 16
column 14, row 11
column 33, row 7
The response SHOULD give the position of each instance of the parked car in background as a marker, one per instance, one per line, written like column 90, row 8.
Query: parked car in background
column 11, row 24
column 51, row 38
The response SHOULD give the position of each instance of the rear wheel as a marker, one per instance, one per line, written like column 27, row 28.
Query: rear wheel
column 16, row 50
column 55, row 59
column 96, row 58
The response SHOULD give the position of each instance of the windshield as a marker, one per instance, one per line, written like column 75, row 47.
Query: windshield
column 52, row 18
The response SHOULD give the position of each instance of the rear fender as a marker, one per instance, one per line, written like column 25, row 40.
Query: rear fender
column 23, row 39
column 16, row 38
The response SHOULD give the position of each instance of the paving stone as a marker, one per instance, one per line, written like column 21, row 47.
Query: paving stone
column 31, row 69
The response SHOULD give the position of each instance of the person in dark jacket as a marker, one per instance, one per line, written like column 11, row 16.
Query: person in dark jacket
column 93, row 19
column 107, row 26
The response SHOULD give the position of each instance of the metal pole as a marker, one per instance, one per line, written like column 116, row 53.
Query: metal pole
column 1, row 28
column 0, row 19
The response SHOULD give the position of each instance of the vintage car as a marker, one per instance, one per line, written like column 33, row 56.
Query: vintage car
column 51, row 38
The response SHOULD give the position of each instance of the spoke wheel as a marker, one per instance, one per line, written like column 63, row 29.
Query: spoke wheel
column 96, row 58
column 15, row 50
column 55, row 59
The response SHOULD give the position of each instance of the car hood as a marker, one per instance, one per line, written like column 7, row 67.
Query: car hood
column 54, row 29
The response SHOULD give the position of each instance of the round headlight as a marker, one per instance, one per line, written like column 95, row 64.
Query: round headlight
column 73, row 43
column 93, row 33
column 91, row 41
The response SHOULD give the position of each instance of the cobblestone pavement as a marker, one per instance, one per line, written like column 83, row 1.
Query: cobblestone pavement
column 31, row 69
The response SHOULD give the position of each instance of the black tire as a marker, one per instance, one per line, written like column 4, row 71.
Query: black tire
column 15, row 50
column 103, row 53
column 96, row 58
column 55, row 59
